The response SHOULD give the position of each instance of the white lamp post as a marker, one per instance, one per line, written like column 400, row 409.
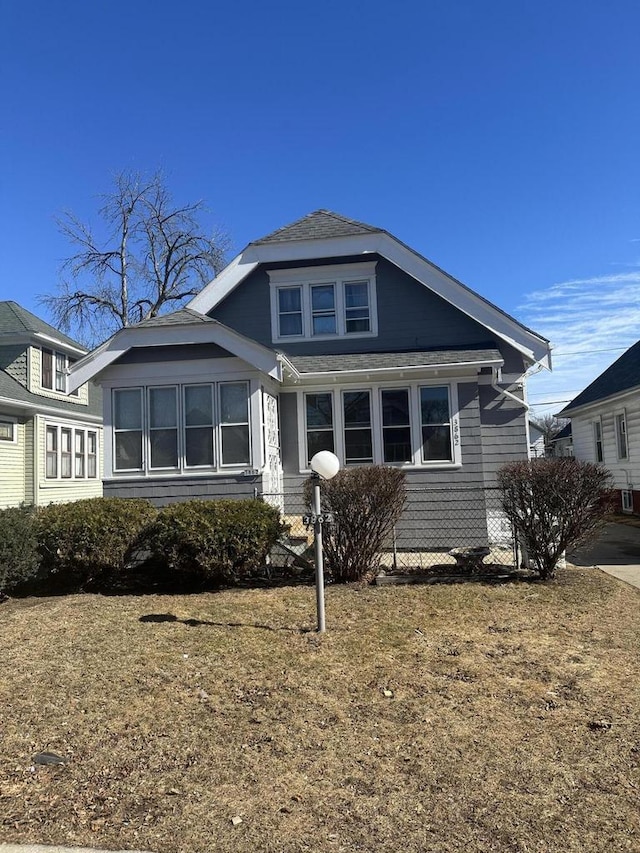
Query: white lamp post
column 324, row 465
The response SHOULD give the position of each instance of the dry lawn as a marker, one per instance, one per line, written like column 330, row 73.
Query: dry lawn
column 447, row 718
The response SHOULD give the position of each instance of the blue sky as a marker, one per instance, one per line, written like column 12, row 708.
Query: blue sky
column 500, row 139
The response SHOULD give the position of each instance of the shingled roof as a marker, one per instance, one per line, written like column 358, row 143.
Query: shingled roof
column 623, row 375
column 14, row 319
column 388, row 360
column 318, row 225
column 12, row 390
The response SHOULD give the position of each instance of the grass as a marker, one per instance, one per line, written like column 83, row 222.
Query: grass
column 448, row 718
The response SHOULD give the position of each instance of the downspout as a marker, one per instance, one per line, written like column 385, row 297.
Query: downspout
column 497, row 377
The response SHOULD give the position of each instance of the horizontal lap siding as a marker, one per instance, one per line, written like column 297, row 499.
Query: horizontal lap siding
column 504, row 432
column 12, row 468
column 626, row 472
column 163, row 492
column 59, row 490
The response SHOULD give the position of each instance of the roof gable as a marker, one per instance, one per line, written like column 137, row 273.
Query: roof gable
column 318, row 225
column 324, row 234
column 623, row 375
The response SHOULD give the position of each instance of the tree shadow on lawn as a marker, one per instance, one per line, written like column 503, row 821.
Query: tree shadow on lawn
column 195, row 623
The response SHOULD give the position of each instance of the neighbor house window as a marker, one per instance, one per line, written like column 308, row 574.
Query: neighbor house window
column 396, row 426
column 319, row 420
column 53, row 370
column 92, row 455
column 52, row 452
column 358, row 436
column 127, row 429
column 234, row 423
column 79, row 438
column 290, row 311
column 70, row 453
column 65, row 453
column 324, row 301
column 7, row 430
column 198, row 425
column 597, row 440
column 621, row 435
column 163, row 427
column 46, row 372
column 435, row 413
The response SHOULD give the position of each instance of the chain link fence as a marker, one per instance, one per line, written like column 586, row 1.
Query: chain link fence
column 435, row 521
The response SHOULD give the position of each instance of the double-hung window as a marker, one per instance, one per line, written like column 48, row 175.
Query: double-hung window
column 290, row 312
column 198, row 425
column 234, row 423
column 92, row 455
column 53, row 370
column 621, row 435
column 358, row 433
column 52, row 452
column 7, row 430
column 435, row 414
column 46, row 369
column 319, row 420
column 79, row 439
column 396, row 426
column 65, row 453
column 127, row 429
column 324, row 302
column 597, row 440
column 70, row 453
column 163, row 427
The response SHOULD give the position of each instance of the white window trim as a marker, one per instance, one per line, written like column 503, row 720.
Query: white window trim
column 73, row 429
column 13, row 423
column 219, row 424
column 55, row 354
column 146, row 433
column 621, row 413
column 307, row 277
column 184, row 427
column 626, row 496
column 182, row 470
column 596, row 426
column 375, row 388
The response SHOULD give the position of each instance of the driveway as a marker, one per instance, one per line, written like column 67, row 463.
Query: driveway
column 616, row 552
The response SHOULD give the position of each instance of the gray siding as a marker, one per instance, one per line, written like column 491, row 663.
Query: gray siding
column 504, row 431
column 172, row 490
column 184, row 352
column 14, row 361
column 409, row 316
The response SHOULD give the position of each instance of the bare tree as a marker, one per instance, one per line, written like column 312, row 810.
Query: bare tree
column 550, row 426
column 153, row 257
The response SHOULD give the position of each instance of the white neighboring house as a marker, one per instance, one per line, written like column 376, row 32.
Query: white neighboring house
column 50, row 441
column 605, row 425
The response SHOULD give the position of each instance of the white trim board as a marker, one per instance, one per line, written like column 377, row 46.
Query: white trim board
column 253, row 353
column 532, row 346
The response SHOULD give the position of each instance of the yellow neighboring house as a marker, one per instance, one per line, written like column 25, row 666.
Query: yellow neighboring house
column 50, row 441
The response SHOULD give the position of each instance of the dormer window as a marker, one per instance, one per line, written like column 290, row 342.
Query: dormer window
column 319, row 303
column 53, row 371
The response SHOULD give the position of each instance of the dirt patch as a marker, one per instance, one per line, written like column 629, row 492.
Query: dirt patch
column 445, row 718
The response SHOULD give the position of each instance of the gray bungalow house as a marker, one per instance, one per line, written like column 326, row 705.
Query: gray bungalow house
column 326, row 334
